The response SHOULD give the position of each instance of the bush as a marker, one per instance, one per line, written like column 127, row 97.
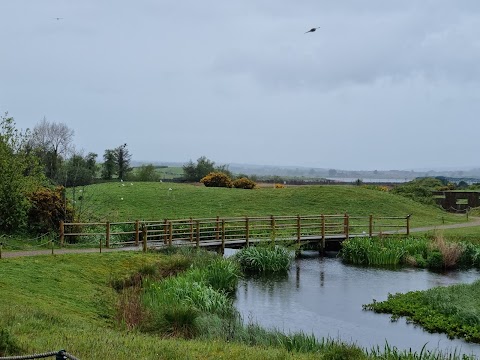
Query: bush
column 47, row 210
column 244, row 183
column 435, row 260
column 217, row 179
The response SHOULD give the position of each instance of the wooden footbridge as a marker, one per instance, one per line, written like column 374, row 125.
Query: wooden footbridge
column 321, row 231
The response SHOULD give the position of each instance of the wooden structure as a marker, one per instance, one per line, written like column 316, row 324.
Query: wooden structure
column 235, row 232
column 456, row 201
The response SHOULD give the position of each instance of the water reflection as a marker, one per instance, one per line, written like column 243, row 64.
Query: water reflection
column 304, row 300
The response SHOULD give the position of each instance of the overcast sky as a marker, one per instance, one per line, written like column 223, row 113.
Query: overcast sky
column 381, row 85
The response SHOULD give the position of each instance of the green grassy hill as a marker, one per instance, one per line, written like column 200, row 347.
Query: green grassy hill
column 156, row 201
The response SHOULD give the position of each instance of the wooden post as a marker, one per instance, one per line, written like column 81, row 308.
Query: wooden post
column 144, row 238
column 299, row 230
column 191, row 230
column 247, row 231
column 100, row 245
column 165, row 229
column 217, row 229
column 1, row 246
column 170, row 233
column 223, row 236
column 323, row 233
column 62, row 233
column 346, row 225
column 408, row 224
column 370, row 226
column 272, row 225
column 198, row 234
column 107, row 238
column 137, row 232
column 51, row 245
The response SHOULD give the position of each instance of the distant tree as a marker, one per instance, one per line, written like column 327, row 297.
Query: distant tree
column 332, row 172
column 195, row 172
column 52, row 143
column 109, row 164
column 147, row 173
column 123, row 158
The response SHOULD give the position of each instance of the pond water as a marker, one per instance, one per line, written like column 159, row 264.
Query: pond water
column 323, row 296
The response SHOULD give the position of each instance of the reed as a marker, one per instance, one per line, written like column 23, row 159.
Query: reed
column 264, row 259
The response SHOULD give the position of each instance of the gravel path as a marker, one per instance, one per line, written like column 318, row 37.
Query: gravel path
column 11, row 254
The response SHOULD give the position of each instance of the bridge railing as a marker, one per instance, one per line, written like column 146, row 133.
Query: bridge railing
column 220, row 231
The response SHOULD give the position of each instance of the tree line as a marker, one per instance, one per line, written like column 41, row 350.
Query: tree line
column 36, row 166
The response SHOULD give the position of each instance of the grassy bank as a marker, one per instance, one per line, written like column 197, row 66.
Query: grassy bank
column 72, row 302
column 453, row 310
column 153, row 201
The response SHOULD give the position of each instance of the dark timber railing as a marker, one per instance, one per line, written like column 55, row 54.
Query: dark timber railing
column 235, row 231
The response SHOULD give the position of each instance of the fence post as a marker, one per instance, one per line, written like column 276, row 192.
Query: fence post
column 299, row 230
column 170, row 233
column 217, row 228
column 107, row 238
column 370, row 226
column 198, row 234
column 165, row 225
column 137, row 232
column 191, row 230
column 144, row 238
column 223, row 236
column 272, row 224
column 323, row 233
column 62, row 232
column 247, row 231
column 408, row 224
column 346, row 225
column 1, row 246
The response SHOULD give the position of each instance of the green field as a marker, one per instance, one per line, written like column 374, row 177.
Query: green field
column 156, row 201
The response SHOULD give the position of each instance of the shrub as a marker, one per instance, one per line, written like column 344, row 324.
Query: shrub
column 47, row 209
column 244, row 183
column 279, row 186
column 217, row 179
column 435, row 260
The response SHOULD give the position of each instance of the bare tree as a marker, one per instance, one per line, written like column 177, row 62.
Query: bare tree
column 52, row 142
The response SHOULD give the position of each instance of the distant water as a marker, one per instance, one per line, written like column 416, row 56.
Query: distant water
column 352, row 180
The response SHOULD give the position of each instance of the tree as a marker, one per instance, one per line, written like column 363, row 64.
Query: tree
column 78, row 170
column 147, row 173
column 123, row 158
column 19, row 176
column 116, row 162
column 52, row 142
column 109, row 163
column 194, row 172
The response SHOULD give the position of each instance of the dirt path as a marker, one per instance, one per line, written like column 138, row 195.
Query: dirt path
column 11, row 254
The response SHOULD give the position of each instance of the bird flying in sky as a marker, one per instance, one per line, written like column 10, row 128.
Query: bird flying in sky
column 312, row 30
column 58, row 18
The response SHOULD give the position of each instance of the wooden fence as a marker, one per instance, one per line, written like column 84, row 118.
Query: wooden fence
column 233, row 231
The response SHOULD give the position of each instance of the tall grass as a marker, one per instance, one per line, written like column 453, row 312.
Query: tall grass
column 264, row 259
column 435, row 253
